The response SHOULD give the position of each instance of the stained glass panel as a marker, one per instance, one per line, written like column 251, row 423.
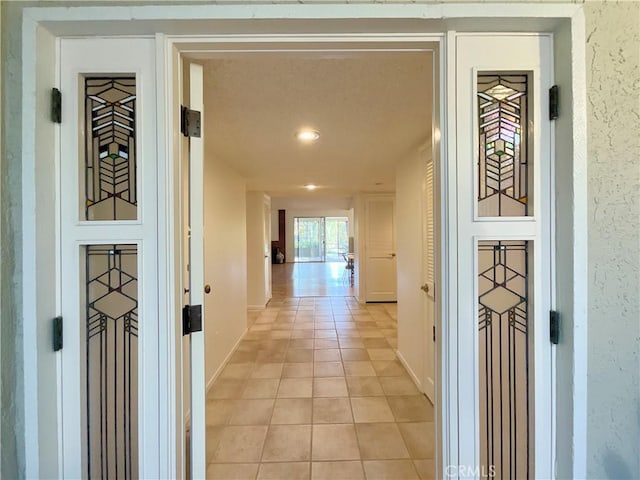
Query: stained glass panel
column 110, row 157
column 504, row 174
column 504, row 327
column 111, row 361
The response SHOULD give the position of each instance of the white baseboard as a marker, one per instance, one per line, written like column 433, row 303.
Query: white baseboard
column 215, row 375
column 430, row 386
column 412, row 374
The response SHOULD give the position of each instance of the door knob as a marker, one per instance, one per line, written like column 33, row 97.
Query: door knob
column 425, row 288
column 207, row 288
column 392, row 254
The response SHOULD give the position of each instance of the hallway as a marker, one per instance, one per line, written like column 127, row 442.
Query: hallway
column 314, row 391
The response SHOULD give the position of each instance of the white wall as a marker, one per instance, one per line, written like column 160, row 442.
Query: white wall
column 411, row 318
column 359, row 284
column 256, row 278
column 225, row 269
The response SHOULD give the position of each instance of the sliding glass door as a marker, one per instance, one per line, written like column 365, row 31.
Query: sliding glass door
column 320, row 239
column 309, row 239
column 336, row 238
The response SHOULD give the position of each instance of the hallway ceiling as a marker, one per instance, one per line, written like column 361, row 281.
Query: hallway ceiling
column 371, row 108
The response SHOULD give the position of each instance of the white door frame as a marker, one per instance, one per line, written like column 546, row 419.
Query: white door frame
column 42, row 26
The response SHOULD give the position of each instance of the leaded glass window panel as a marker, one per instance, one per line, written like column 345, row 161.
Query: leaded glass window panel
column 110, row 142
column 504, row 316
column 504, row 167
column 111, row 341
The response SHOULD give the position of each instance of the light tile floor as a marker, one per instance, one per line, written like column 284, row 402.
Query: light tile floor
column 314, row 391
column 310, row 279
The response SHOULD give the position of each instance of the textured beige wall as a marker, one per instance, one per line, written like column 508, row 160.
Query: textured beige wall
column 11, row 415
column 614, row 243
column 613, row 82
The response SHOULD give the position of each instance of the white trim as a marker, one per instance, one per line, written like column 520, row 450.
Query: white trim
column 166, row 248
column 175, row 359
column 577, row 342
column 198, row 439
column 58, row 266
column 439, row 11
column 448, row 296
column 580, row 245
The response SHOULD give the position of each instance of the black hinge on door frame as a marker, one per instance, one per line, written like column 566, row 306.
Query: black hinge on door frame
column 554, row 327
column 191, row 319
column 554, row 102
column 56, row 105
column 190, row 122
column 57, row 334
column 434, row 333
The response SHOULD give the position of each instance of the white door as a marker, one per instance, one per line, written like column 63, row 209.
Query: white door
column 380, row 248
column 197, row 397
column 428, row 277
column 504, row 265
column 108, row 266
column 266, row 221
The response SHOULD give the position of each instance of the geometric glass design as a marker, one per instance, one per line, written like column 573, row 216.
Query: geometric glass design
column 110, row 157
column 503, row 163
column 111, row 361
column 503, row 323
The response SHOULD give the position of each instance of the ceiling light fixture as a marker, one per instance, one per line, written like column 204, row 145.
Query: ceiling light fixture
column 307, row 135
column 310, row 186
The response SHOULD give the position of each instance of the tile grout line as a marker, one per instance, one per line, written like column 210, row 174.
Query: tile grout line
column 319, row 322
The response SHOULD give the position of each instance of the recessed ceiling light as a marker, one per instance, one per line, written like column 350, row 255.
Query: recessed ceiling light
column 307, row 135
column 310, row 186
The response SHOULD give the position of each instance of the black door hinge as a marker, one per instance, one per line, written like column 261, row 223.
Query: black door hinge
column 56, row 105
column 434, row 333
column 57, row 334
column 190, row 122
column 554, row 327
column 191, row 319
column 554, row 102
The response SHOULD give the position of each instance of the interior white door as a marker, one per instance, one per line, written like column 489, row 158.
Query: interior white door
column 428, row 275
column 266, row 221
column 197, row 410
column 504, row 159
column 380, row 248
column 108, row 266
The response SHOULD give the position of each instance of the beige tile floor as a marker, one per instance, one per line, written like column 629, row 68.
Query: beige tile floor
column 310, row 279
column 314, row 391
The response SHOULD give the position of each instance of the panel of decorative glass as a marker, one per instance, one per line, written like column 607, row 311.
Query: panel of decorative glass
column 504, row 160
column 506, row 410
column 110, row 157
column 111, row 339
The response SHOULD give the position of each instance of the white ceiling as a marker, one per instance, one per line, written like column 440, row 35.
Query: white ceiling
column 371, row 108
